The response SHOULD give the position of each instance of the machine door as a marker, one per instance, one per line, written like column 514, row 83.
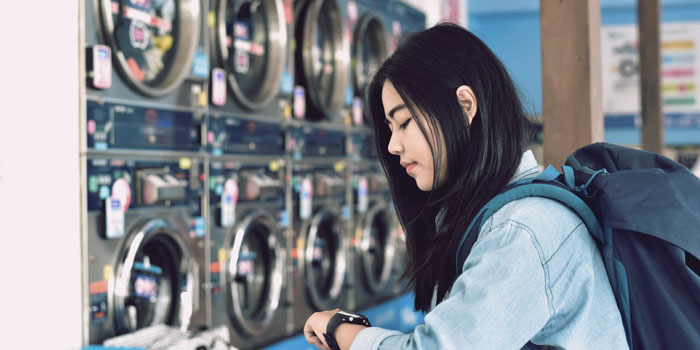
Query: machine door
column 324, row 260
column 378, row 247
column 254, row 273
column 323, row 59
column 368, row 51
column 155, row 280
column 251, row 41
column 153, row 42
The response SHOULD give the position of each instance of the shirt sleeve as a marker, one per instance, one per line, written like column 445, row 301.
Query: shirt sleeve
column 500, row 301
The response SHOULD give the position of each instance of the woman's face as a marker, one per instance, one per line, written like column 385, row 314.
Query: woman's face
column 407, row 140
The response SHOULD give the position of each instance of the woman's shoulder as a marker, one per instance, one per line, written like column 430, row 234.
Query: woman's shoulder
column 549, row 222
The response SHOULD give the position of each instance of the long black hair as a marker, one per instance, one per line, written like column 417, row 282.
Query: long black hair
column 426, row 71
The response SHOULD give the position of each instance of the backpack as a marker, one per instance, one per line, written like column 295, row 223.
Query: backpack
column 643, row 211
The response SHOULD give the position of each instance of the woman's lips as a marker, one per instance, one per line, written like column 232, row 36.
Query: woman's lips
column 410, row 167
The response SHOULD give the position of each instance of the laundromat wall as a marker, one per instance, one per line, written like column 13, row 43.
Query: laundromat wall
column 163, row 164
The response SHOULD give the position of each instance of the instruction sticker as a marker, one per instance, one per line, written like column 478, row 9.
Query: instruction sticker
column 114, row 218
column 218, row 89
column 299, row 102
column 362, row 199
column 305, row 200
column 229, row 198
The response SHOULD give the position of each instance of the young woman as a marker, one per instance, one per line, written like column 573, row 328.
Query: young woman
column 451, row 133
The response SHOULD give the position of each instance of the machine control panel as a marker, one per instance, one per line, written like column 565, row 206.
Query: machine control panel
column 112, row 125
column 309, row 141
column 362, row 145
column 229, row 135
column 116, row 186
column 232, row 183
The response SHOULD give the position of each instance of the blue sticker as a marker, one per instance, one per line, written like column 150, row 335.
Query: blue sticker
column 200, row 64
column 349, row 95
column 104, row 191
column 216, row 151
column 219, row 189
column 284, row 219
column 200, row 226
column 346, row 213
column 101, row 146
column 287, row 83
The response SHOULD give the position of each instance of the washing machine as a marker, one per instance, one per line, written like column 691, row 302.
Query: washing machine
column 147, row 66
column 252, row 63
column 375, row 236
column 152, row 52
column 322, row 62
column 143, row 243
column 248, row 271
column 320, row 257
column 369, row 35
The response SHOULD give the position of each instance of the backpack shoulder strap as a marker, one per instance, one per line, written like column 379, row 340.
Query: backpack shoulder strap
column 545, row 186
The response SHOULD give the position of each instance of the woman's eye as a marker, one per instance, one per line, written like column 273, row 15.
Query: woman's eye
column 405, row 124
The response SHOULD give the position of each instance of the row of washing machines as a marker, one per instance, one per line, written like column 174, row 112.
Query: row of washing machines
column 229, row 177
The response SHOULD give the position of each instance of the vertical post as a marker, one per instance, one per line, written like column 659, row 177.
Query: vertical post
column 572, row 113
column 648, row 18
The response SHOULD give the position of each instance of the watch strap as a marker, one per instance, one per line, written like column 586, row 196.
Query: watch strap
column 339, row 318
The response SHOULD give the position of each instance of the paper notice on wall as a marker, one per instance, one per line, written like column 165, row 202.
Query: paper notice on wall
column 680, row 71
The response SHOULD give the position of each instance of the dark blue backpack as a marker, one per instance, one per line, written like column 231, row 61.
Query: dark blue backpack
column 643, row 210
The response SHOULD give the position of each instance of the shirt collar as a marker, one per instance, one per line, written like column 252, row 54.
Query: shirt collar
column 527, row 168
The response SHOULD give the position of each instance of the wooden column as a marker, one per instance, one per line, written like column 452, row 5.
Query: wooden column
column 572, row 113
column 648, row 18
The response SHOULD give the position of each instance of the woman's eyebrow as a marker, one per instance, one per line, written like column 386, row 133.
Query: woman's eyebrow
column 395, row 109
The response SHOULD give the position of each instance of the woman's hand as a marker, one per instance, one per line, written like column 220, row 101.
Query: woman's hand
column 315, row 327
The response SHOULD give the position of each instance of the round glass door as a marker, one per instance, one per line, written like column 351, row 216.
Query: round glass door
column 252, row 44
column 378, row 247
column 325, row 263
column 154, row 277
column 324, row 57
column 254, row 273
column 369, row 50
column 153, row 41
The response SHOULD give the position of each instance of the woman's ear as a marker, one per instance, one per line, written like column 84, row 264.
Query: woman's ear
column 467, row 101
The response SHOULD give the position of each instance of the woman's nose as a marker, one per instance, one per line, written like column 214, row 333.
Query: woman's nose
column 395, row 146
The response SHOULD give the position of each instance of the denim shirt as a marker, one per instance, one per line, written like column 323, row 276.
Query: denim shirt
column 533, row 280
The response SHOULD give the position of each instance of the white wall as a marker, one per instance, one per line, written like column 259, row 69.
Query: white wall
column 40, row 305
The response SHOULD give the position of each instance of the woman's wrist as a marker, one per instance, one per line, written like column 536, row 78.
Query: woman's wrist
column 345, row 334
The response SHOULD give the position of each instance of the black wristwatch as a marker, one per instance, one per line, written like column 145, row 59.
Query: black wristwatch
column 339, row 318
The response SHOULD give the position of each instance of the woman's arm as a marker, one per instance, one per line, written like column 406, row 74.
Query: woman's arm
column 499, row 301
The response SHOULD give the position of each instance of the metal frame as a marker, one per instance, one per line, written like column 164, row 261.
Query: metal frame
column 230, row 269
column 188, row 26
column 369, row 24
column 329, row 101
column 276, row 52
column 379, row 208
column 125, row 261
column 317, row 300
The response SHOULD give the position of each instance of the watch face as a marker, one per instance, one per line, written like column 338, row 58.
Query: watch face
column 349, row 314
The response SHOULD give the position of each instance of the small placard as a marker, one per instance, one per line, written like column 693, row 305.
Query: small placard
column 299, row 102
column 362, row 199
column 306, row 196
column 200, row 63
column 114, row 218
column 218, row 87
column 101, row 67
